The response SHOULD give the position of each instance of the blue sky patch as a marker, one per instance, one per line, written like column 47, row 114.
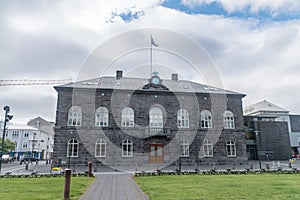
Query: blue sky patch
column 128, row 17
column 216, row 8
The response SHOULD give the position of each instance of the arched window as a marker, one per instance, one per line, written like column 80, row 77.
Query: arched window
column 127, row 148
column 184, row 148
column 183, row 118
column 208, row 148
column 206, row 119
column 228, row 120
column 156, row 118
column 100, row 148
column 127, row 117
column 74, row 116
column 73, row 147
column 101, row 116
column 230, row 147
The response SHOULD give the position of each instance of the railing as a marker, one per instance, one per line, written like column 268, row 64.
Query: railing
column 149, row 131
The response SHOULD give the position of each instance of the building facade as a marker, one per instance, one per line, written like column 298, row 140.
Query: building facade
column 31, row 140
column 267, row 132
column 46, row 128
column 119, row 121
column 294, row 130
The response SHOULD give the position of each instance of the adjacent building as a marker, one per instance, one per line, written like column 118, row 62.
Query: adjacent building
column 294, row 130
column 34, row 139
column 267, row 131
column 120, row 120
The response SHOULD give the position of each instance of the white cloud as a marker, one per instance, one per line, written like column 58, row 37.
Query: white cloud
column 275, row 7
column 52, row 40
column 261, row 61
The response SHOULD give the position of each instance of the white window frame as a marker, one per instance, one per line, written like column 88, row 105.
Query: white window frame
column 208, row 149
column 127, row 148
column 230, row 148
column 206, row 119
column 127, row 117
column 74, row 116
column 228, row 120
column 100, row 148
column 183, row 118
column 101, row 117
column 184, row 148
column 73, row 145
column 156, row 118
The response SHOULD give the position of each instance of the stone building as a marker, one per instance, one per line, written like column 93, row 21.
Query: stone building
column 267, row 131
column 122, row 121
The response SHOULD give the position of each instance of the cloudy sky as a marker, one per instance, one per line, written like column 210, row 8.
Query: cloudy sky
column 254, row 45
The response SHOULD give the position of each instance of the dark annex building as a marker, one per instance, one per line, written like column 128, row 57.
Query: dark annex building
column 122, row 121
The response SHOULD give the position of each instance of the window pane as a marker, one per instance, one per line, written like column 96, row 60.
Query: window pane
column 156, row 117
column 159, row 151
column 101, row 116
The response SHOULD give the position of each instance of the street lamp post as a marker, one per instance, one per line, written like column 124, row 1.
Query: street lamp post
column 6, row 119
column 180, row 153
column 258, row 146
column 69, row 158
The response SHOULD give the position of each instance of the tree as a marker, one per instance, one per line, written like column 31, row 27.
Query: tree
column 8, row 146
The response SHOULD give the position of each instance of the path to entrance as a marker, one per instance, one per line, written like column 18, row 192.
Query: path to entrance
column 114, row 186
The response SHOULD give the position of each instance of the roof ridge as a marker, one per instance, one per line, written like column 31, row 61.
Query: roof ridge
column 137, row 83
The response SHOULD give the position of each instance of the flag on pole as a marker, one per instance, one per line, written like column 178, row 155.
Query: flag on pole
column 153, row 43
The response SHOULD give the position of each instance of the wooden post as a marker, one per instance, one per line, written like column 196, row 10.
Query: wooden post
column 90, row 168
column 68, row 173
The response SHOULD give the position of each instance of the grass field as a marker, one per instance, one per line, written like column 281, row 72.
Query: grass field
column 250, row 186
column 41, row 188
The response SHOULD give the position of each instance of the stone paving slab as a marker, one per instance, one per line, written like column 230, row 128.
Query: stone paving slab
column 114, row 186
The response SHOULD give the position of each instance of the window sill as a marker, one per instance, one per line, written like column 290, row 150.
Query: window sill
column 231, row 156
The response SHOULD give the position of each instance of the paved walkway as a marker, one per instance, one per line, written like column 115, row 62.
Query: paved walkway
column 114, row 186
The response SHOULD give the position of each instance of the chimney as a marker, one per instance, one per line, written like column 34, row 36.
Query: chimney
column 174, row 77
column 119, row 74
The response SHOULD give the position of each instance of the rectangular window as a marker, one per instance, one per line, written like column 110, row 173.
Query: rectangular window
column 100, row 148
column 101, row 119
column 184, row 149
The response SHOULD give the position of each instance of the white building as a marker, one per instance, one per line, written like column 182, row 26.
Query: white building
column 31, row 140
column 265, row 110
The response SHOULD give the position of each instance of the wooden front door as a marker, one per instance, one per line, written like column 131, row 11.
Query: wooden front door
column 156, row 153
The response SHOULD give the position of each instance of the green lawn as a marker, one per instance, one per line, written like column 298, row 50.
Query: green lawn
column 250, row 186
column 41, row 188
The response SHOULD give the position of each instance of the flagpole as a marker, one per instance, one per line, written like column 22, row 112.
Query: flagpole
column 151, row 56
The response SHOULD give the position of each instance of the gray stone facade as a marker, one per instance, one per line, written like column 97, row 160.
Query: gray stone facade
column 275, row 137
column 272, row 137
column 126, row 92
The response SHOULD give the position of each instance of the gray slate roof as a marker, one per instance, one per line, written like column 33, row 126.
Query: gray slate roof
column 126, row 83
